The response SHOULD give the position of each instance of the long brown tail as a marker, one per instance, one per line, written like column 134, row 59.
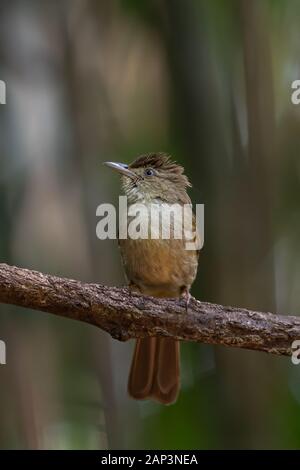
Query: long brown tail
column 155, row 370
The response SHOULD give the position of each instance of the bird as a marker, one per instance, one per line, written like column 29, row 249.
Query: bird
column 158, row 267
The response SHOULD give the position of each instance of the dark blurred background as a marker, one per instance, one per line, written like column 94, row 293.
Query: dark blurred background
column 208, row 81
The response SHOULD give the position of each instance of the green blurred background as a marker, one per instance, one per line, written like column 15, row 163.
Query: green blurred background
column 208, row 81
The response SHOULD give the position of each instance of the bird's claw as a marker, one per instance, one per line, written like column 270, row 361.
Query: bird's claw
column 185, row 294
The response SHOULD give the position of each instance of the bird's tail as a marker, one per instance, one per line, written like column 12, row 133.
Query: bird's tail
column 155, row 370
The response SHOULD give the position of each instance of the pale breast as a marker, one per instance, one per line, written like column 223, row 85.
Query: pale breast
column 159, row 264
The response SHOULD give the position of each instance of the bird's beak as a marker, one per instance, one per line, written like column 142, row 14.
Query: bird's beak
column 121, row 168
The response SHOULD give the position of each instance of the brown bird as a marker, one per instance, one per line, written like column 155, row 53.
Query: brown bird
column 159, row 267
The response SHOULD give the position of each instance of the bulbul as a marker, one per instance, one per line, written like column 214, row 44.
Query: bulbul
column 156, row 266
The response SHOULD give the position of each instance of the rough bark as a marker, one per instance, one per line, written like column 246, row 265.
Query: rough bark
column 126, row 315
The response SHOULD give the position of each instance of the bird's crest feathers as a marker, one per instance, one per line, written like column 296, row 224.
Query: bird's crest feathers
column 161, row 161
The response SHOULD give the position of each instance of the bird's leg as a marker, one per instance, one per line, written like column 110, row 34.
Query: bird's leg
column 185, row 294
column 132, row 287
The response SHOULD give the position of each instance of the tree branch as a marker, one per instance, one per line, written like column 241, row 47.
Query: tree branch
column 124, row 315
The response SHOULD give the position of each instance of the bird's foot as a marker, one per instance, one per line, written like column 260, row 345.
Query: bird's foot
column 133, row 288
column 185, row 294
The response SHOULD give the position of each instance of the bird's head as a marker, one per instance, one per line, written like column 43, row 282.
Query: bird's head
column 153, row 177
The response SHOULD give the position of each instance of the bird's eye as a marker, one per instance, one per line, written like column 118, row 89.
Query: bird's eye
column 149, row 172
